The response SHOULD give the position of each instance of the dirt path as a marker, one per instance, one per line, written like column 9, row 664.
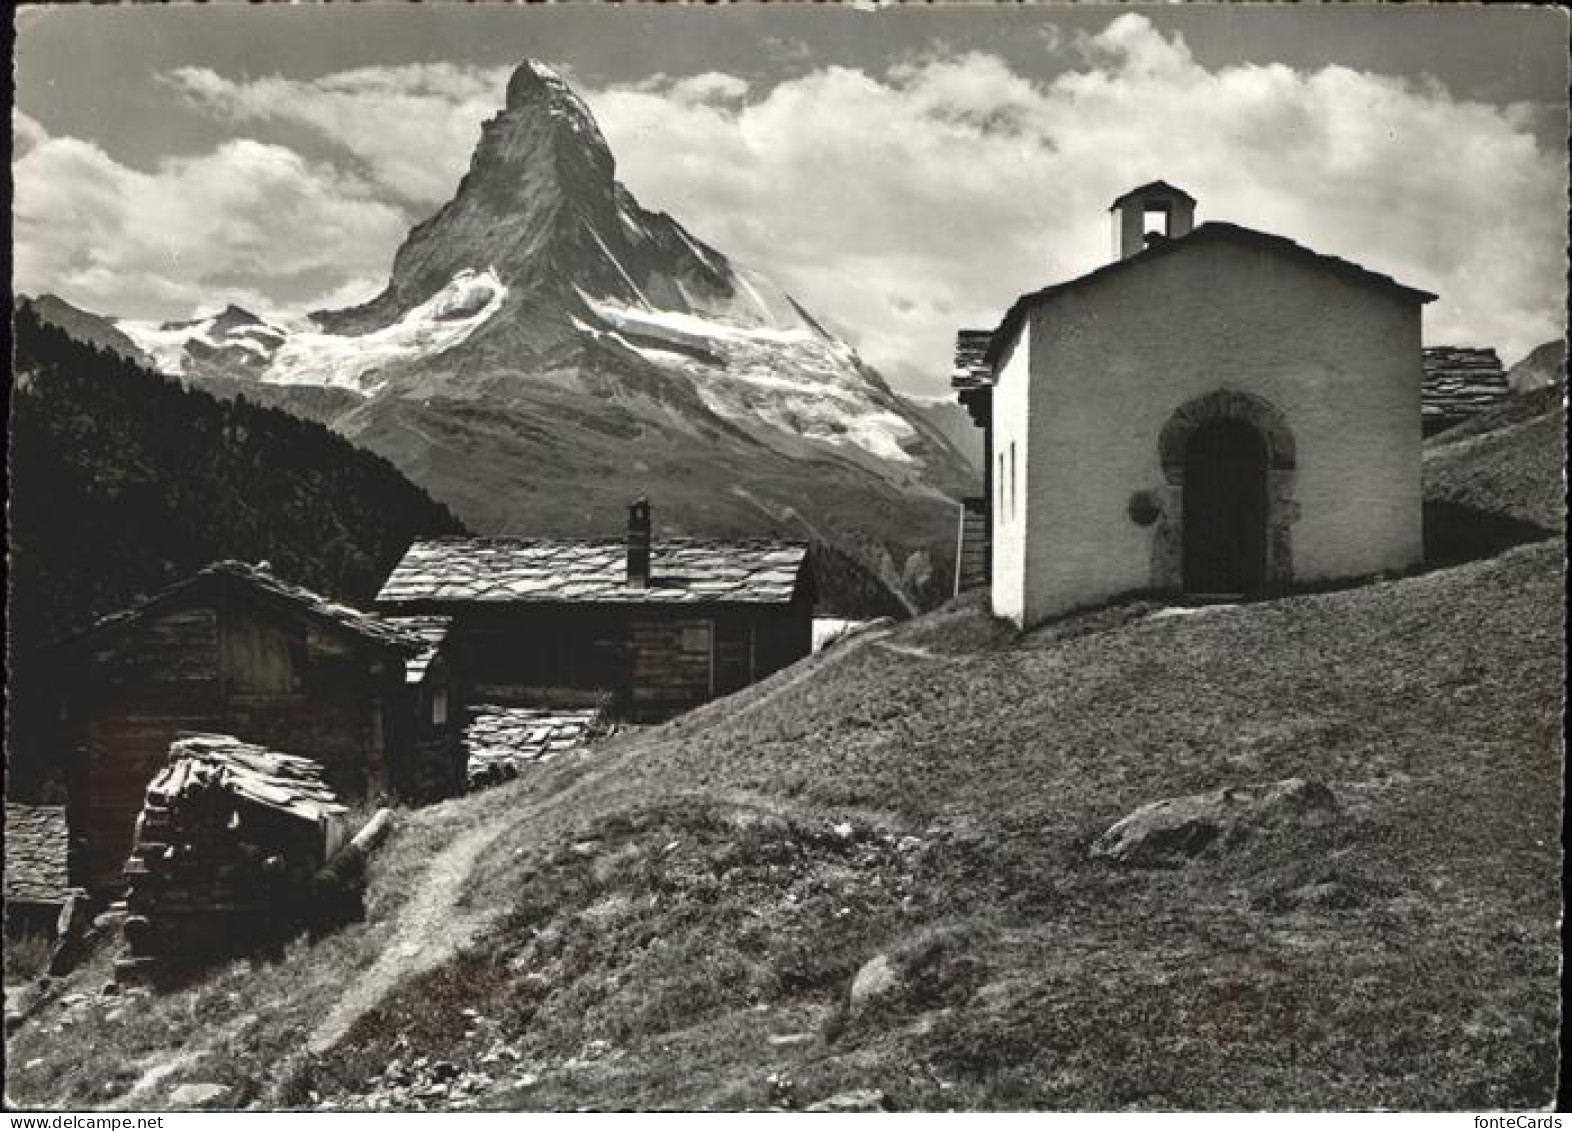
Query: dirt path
column 161, row 1066
column 429, row 929
column 913, row 650
column 432, row 926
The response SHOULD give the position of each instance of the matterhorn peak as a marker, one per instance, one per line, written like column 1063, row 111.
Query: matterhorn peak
column 532, row 79
column 535, row 88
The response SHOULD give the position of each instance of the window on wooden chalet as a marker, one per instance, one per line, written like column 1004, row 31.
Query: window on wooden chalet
column 696, row 639
column 260, row 659
column 439, row 706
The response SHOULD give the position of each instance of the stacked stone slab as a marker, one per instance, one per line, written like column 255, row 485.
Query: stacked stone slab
column 35, row 854
column 503, row 741
column 227, row 847
column 1459, row 382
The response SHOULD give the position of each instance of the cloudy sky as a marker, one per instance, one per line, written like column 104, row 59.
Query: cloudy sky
column 904, row 172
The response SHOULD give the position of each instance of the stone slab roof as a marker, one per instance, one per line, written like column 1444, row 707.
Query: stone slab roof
column 262, row 583
column 1460, row 381
column 433, row 630
column 36, row 837
column 501, row 741
column 545, row 571
column 286, row 783
column 971, row 369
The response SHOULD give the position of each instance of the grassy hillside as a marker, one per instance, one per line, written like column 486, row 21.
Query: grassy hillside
column 676, row 920
column 1507, row 461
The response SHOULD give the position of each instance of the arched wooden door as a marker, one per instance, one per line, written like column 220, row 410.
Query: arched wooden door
column 1225, row 506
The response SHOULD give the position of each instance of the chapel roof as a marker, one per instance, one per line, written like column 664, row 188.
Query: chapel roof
column 1215, row 231
column 1152, row 188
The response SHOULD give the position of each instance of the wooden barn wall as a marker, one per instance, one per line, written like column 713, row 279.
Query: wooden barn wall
column 551, row 654
column 263, row 677
column 648, row 658
column 141, row 687
column 304, row 691
column 684, row 657
column 672, row 664
column 785, row 634
column 427, row 758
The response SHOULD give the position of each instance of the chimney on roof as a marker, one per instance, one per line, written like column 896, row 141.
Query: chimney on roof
column 639, row 544
column 1157, row 208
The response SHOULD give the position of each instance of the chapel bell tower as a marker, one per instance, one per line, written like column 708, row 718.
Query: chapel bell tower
column 1158, row 208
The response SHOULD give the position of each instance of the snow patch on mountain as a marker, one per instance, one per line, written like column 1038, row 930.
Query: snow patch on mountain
column 295, row 351
column 166, row 345
column 791, row 378
column 932, row 400
column 349, row 361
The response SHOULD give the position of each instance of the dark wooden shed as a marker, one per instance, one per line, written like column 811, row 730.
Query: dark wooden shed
column 656, row 629
column 237, row 650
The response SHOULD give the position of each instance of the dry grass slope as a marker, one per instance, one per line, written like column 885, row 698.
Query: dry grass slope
column 682, row 930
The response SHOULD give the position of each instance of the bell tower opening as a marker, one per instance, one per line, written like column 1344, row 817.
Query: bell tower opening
column 1149, row 213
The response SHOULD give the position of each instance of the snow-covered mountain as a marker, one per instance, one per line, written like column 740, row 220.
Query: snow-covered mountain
column 546, row 348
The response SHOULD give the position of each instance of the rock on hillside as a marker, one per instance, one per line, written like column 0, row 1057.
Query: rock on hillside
column 1167, row 833
column 1545, row 365
column 546, row 348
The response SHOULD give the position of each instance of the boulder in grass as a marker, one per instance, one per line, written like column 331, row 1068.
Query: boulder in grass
column 861, row 1099
column 197, row 1095
column 1167, row 833
column 875, row 980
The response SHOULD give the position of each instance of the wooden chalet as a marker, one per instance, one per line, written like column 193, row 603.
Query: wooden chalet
column 239, row 651
column 654, row 631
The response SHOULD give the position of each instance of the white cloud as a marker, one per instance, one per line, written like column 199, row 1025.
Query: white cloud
column 711, row 86
column 901, row 208
column 411, row 128
column 26, row 133
column 897, row 208
column 247, row 222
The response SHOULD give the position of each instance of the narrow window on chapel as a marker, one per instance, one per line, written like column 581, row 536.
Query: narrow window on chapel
column 1012, row 480
column 1001, row 486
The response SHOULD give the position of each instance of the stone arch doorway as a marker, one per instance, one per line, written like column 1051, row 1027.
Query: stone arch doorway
column 1230, row 463
column 1224, row 508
